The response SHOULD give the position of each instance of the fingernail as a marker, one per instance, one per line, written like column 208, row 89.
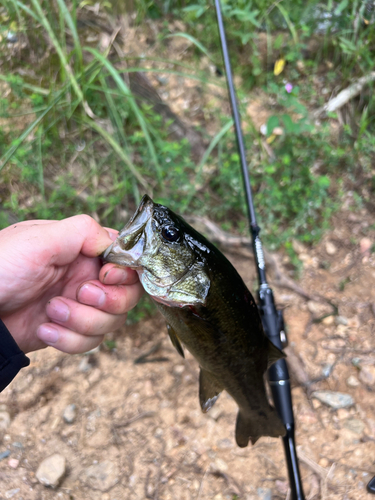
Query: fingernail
column 91, row 295
column 58, row 310
column 113, row 236
column 115, row 276
column 48, row 334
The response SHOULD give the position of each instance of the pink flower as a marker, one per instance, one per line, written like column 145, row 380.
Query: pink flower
column 289, row 87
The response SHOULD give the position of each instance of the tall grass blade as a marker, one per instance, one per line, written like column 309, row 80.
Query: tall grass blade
column 121, row 153
column 138, row 113
column 207, row 153
column 289, row 23
column 73, row 29
column 194, row 41
column 8, row 154
column 45, row 23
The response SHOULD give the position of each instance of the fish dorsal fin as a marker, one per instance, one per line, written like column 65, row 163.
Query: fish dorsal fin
column 209, row 390
column 274, row 354
column 174, row 339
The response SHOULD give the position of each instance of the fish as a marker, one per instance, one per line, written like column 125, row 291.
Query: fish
column 208, row 310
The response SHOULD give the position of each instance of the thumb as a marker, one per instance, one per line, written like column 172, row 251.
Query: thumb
column 79, row 234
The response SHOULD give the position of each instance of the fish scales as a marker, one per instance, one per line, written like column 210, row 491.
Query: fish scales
column 208, row 309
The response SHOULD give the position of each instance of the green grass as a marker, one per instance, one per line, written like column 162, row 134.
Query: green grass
column 86, row 144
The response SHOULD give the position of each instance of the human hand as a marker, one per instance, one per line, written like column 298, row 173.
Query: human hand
column 53, row 290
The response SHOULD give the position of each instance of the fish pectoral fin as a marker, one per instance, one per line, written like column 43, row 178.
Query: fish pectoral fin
column 274, row 354
column 209, row 390
column 175, row 341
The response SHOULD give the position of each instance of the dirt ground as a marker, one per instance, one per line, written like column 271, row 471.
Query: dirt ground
column 141, row 424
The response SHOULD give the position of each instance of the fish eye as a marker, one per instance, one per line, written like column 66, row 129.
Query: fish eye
column 170, row 233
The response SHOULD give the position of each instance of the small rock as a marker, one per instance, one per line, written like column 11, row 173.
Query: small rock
column 323, row 462
column 352, row 381
column 102, row 476
column 84, row 365
column 367, row 375
column 219, row 465
column 215, row 412
column 341, row 320
column 225, row 443
column 316, row 308
column 282, row 486
column 18, row 445
column 11, row 493
column 327, row 369
column 333, row 399
column 365, row 246
column 4, row 454
column 298, row 247
column 70, row 413
column 328, row 321
column 264, row 493
column 51, row 470
column 4, row 420
column 355, row 425
column 178, row 369
column 13, row 463
column 219, row 496
column 94, row 376
column 331, row 249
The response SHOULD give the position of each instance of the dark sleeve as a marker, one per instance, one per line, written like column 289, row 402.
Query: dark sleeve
column 12, row 359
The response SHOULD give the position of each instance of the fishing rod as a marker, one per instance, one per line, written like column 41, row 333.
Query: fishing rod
column 272, row 320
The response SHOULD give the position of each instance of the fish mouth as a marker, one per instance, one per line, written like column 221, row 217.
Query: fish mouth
column 130, row 243
column 107, row 251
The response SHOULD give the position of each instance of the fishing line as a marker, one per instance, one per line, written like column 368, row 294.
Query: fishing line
column 272, row 319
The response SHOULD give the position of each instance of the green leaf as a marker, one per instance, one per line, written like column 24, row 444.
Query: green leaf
column 273, row 122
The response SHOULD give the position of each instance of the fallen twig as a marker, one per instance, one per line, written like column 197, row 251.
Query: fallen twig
column 345, row 95
column 146, row 414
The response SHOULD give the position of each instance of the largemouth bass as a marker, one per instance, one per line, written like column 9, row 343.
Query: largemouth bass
column 208, row 309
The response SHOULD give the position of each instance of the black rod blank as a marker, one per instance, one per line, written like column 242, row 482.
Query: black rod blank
column 271, row 318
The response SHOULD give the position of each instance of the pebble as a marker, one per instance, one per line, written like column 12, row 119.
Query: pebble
column 70, row 413
column 367, row 375
column 323, row 462
column 215, row 412
column 4, row 454
column 84, row 365
column 365, row 246
column 102, row 476
column 328, row 321
column 11, row 493
column 333, row 399
column 331, row 249
column 341, row 320
column 178, row 369
column 298, row 247
column 219, row 465
column 51, row 470
column 4, row 420
column 264, row 493
column 282, row 486
column 355, row 425
column 225, row 443
column 13, row 463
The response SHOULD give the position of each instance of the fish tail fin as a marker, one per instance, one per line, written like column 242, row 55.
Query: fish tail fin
column 250, row 427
